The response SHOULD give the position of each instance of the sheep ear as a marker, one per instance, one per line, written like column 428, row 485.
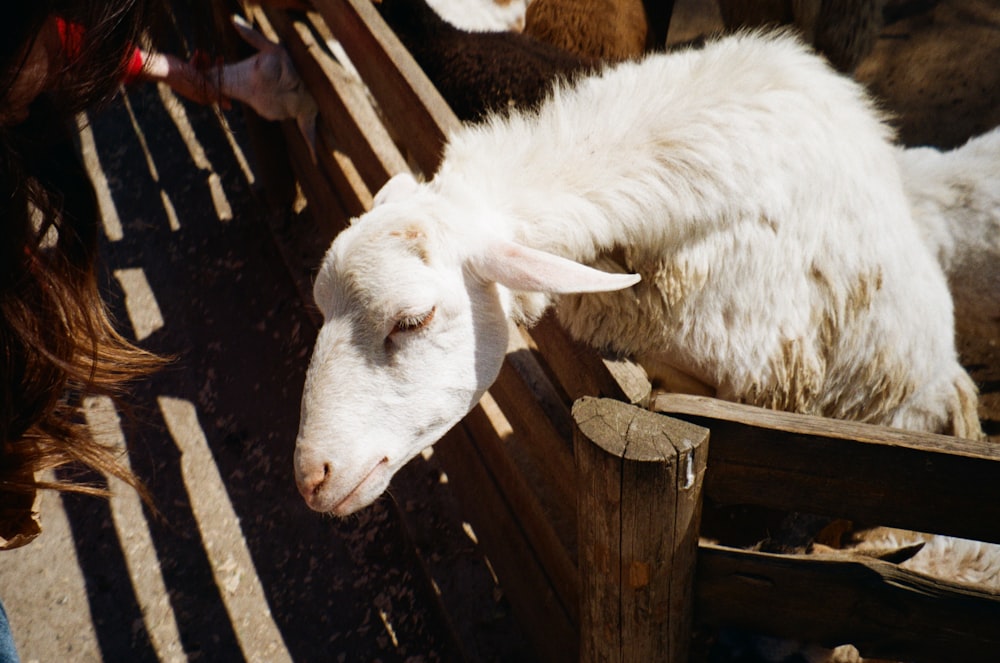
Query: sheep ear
column 399, row 186
column 519, row 267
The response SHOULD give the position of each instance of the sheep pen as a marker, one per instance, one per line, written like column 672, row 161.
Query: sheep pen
column 537, row 333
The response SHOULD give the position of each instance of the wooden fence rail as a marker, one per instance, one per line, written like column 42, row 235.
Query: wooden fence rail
column 930, row 483
column 867, row 473
column 884, row 611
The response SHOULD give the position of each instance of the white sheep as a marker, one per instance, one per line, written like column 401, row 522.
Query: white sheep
column 269, row 83
column 955, row 200
column 482, row 15
column 955, row 196
column 754, row 190
column 959, row 560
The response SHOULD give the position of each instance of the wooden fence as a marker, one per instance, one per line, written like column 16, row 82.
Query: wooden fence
column 587, row 498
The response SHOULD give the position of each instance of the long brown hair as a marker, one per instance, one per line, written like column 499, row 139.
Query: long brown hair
column 57, row 342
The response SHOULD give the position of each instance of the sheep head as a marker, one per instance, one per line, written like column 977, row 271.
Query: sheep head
column 416, row 302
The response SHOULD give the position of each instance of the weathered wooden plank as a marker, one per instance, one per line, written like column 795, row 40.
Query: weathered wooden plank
column 324, row 206
column 489, row 432
column 884, row 611
column 404, row 94
column 345, row 109
column 342, row 173
column 581, row 371
column 872, row 474
column 536, row 604
column 546, row 446
column 640, row 478
column 273, row 168
column 524, row 357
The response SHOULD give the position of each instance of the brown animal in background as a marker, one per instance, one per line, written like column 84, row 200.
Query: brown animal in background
column 479, row 72
column 843, row 30
column 608, row 30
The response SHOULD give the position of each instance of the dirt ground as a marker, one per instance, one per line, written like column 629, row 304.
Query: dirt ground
column 235, row 567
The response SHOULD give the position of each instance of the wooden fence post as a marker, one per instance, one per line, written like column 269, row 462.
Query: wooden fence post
column 639, row 506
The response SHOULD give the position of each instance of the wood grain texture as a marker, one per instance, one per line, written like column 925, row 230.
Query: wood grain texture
column 871, row 474
column 884, row 611
column 639, row 483
column 538, row 607
column 581, row 371
column 347, row 115
column 404, row 94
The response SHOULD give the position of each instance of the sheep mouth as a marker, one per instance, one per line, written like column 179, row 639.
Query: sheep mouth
column 362, row 494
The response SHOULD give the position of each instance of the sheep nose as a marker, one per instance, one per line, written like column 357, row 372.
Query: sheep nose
column 311, row 482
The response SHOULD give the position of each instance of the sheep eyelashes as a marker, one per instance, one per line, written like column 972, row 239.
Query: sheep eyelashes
column 755, row 199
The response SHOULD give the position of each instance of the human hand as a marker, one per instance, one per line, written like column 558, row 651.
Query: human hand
column 191, row 80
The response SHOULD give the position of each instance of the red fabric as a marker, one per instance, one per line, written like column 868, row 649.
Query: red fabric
column 71, row 37
column 133, row 69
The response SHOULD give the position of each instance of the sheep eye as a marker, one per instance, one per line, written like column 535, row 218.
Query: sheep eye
column 412, row 323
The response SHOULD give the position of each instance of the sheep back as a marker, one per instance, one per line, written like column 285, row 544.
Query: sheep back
column 757, row 193
column 955, row 196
